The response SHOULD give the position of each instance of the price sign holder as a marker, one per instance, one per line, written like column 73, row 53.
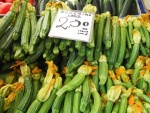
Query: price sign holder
column 73, row 25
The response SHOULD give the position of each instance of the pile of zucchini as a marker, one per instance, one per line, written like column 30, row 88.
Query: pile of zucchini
column 24, row 37
column 90, row 88
column 109, row 74
column 119, row 8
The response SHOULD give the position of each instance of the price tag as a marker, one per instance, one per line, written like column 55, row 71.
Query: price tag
column 73, row 25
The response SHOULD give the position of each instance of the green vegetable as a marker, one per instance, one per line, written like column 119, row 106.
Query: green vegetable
column 123, row 102
column 107, row 6
column 115, row 43
column 77, row 80
column 35, row 38
column 46, row 21
column 19, row 21
column 135, row 49
column 113, row 94
column 3, row 93
column 99, row 36
column 126, row 7
column 9, row 17
column 86, row 94
column 26, row 99
column 77, row 100
column 25, row 35
column 48, row 103
column 121, row 53
column 103, row 70
column 119, row 4
column 107, row 31
column 97, row 106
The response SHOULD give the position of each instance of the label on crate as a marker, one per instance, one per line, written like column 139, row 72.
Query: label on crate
column 73, row 25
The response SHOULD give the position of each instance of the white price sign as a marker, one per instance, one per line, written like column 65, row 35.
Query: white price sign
column 73, row 25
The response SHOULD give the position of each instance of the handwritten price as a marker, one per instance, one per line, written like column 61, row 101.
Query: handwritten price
column 74, row 23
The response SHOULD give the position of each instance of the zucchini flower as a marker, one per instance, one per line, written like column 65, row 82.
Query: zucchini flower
column 147, row 24
column 120, row 71
column 1, row 83
column 58, row 83
column 61, row 5
column 25, row 70
column 92, row 86
column 53, row 13
column 9, row 100
column 147, row 76
column 137, row 23
column 138, row 66
column 85, row 69
column 11, row 78
column 140, row 62
column 129, row 18
column 134, row 106
column 119, row 82
column 129, row 109
column 123, row 22
column 126, row 93
column 102, row 16
column 79, row 89
column 147, row 105
column 129, row 71
column 147, row 65
column 89, row 9
column 136, row 36
column 137, row 92
column 140, row 94
column 115, row 20
column 49, row 5
column 52, row 68
column 30, row 8
column 145, row 17
column 21, row 80
column 4, row 91
column 114, row 93
column 97, row 16
column 15, row 6
column 36, row 72
column 45, row 91
column 16, row 87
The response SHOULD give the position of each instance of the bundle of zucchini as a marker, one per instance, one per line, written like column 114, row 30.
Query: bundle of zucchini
column 119, row 8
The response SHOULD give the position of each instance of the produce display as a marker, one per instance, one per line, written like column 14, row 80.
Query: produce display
column 41, row 74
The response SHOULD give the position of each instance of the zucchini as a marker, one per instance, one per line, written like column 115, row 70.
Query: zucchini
column 9, row 17
column 26, row 99
column 36, row 55
column 25, row 35
column 112, row 57
column 126, row 7
column 19, row 21
column 107, row 6
column 119, row 4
